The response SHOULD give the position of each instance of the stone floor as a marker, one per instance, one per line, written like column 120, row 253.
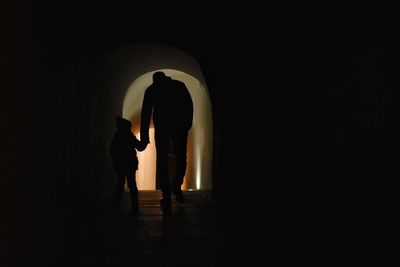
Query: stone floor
column 182, row 237
column 259, row 230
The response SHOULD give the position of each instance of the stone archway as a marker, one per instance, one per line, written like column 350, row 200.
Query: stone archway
column 199, row 154
column 126, row 73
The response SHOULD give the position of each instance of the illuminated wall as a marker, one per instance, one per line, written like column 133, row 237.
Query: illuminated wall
column 199, row 154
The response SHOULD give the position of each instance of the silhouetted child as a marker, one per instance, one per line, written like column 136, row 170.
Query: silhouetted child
column 125, row 162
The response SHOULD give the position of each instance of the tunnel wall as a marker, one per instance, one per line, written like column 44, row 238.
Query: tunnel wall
column 318, row 140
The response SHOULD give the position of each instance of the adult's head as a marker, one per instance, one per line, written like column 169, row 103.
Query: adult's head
column 159, row 76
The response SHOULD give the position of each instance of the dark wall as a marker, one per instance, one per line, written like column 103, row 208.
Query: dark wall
column 304, row 101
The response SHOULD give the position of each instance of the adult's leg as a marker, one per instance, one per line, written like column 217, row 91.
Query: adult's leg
column 162, row 145
column 179, row 142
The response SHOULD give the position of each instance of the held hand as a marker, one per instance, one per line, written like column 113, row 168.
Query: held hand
column 145, row 140
column 142, row 145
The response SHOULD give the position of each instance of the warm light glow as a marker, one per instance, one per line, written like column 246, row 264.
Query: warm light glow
column 198, row 170
column 199, row 155
column 146, row 173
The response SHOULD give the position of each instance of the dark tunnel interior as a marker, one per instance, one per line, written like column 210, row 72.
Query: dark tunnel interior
column 305, row 112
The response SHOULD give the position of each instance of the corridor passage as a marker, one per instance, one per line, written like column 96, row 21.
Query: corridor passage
column 182, row 237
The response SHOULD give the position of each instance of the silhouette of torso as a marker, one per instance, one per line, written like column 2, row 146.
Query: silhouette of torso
column 172, row 106
column 123, row 152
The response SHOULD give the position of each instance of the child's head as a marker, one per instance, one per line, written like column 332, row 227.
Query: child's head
column 123, row 124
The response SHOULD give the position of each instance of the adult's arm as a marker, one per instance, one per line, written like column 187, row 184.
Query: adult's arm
column 147, row 109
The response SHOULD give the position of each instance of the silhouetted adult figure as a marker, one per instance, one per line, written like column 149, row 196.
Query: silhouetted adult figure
column 125, row 162
column 170, row 104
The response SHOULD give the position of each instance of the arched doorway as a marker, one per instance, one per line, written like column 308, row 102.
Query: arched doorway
column 200, row 143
